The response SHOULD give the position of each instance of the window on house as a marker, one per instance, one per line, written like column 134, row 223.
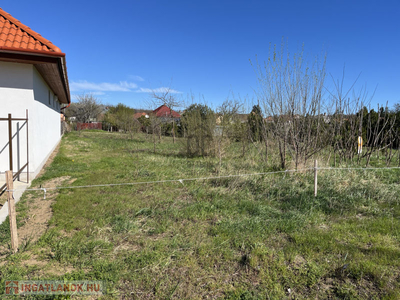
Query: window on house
column 49, row 97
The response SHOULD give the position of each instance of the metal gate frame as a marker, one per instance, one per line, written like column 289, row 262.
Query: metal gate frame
column 10, row 148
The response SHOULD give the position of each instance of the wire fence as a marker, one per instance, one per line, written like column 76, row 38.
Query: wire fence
column 182, row 180
column 11, row 204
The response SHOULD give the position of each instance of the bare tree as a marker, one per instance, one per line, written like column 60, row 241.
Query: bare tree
column 155, row 127
column 291, row 95
column 227, row 114
column 86, row 109
column 346, row 115
column 167, row 96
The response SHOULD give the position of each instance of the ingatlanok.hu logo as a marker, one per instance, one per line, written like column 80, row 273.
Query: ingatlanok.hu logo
column 52, row 287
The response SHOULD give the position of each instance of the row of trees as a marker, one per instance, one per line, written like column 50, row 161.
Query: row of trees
column 297, row 116
column 120, row 117
column 88, row 108
column 305, row 117
column 290, row 135
column 296, row 134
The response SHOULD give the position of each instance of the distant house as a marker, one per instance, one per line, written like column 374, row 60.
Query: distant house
column 140, row 114
column 33, row 81
column 166, row 113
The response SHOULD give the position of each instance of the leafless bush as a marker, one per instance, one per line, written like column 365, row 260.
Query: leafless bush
column 291, row 95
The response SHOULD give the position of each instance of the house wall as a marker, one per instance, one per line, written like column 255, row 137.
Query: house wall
column 22, row 88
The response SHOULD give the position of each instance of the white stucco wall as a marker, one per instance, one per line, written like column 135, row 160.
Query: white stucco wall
column 21, row 88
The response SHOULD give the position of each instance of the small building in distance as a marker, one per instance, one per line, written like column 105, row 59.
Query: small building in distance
column 140, row 114
column 165, row 113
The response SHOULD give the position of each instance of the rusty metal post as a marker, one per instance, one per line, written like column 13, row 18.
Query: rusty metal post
column 10, row 141
column 27, row 148
column 11, row 211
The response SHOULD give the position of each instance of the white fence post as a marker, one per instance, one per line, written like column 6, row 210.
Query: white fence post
column 315, row 178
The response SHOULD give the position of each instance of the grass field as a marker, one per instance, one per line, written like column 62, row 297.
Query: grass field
column 255, row 237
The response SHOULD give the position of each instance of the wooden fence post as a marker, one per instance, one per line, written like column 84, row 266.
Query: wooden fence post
column 315, row 178
column 11, row 211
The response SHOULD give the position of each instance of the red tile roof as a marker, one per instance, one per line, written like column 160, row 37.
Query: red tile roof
column 20, row 44
column 165, row 111
column 17, row 37
column 139, row 114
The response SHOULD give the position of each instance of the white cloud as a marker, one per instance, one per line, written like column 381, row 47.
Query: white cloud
column 98, row 93
column 157, row 90
column 123, row 86
column 135, row 78
column 83, row 85
column 76, row 95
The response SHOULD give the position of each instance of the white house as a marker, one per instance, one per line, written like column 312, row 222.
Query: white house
column 33, row 81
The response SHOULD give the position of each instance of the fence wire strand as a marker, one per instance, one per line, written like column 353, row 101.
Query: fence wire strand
column 181, row 180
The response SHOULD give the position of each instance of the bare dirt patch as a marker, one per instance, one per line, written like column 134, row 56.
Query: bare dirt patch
column 40, row 212
column 36, row 223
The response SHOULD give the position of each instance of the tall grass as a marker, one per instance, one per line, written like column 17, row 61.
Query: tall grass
column 256, row 237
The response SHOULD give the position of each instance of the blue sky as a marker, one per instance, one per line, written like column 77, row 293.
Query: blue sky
column 120, row 50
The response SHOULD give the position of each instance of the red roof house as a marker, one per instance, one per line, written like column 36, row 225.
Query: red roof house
column 34, row 85
column 166, row 112
column 19, row 43
column 139, row 114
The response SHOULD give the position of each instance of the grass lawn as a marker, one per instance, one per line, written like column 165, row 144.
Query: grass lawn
column 256, row 237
